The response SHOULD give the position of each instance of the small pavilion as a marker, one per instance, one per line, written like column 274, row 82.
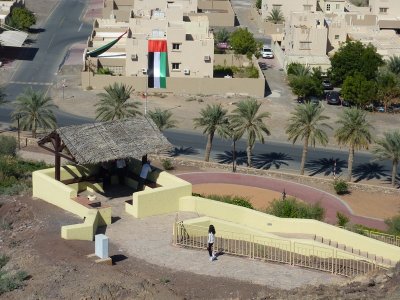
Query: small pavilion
column 95, row 143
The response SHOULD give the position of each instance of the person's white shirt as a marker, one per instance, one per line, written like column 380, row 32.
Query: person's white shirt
column 146, row 169
column 211, row 238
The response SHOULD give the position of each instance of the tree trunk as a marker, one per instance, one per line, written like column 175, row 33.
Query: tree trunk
column 34, row 129
column 209, row 145
column 248, row 150
column 394, row 172
column 304, row 155
column 350, row 163
column 234, row 157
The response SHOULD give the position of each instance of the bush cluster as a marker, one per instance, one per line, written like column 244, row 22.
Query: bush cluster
column 291, row 208
column 8, row 145
column 341, row 187
column 394, row 225
column 15, row 174
column 242, row 72
column 167, row 164
column 230, row 199
column 342, row 219
column 9, row 282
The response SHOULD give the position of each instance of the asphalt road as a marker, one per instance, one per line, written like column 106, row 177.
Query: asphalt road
column 61, row 29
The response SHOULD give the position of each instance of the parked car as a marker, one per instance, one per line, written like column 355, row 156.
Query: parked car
column 347, row 103
column 333, row 98
column 327, row 84
column 312, row 99
column 263, row 66
column 223, row 46
column 394, row 108
column 267, row 52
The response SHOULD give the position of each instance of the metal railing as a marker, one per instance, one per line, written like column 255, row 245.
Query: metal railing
column 383, row 237
column 276, row 250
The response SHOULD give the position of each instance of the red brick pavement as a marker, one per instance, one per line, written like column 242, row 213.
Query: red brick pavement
column 331, row 203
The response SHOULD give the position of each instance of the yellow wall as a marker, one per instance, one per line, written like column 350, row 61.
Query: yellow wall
column 45, row 187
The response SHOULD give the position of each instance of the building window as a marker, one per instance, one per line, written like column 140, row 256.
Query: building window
column 176, row 46
column 328, row 7
column 383, row 10
column 305, row 45
column 337, row 6
column 336, row 36
column 176, row 66
column 307, row 7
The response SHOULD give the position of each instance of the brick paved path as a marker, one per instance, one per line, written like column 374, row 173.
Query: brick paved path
column 330, row 202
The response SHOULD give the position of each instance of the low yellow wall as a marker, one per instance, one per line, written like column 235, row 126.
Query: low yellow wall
column 268, row 223
column 161, row 200
column 45, row 187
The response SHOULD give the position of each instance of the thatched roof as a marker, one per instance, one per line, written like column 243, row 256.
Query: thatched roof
column 120, row 139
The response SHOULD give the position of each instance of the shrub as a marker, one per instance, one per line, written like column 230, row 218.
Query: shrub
column 8, row 145
column 258, row 4
column 342, row 219
column 230, row 199
column 167, row 164
column 291, row 208
column 10, row 282
column 104, row 71
column 221, row 71
column 394, row 225
column 341, row 187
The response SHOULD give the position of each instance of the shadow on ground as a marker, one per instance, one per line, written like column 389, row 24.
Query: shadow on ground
column 369, row 171
column 272, row 159
column 325, row 166
column 182, row 151
column 226, row 157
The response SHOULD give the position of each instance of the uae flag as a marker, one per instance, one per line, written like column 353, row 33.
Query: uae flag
column 157, row 65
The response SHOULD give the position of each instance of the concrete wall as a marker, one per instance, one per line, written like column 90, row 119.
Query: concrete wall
column 219, row 13
column 186, row 85
column 393, row 8
column 45, row 187
column 287, row 7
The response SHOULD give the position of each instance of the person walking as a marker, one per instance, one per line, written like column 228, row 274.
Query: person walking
column 211, row 239
column 146, row 169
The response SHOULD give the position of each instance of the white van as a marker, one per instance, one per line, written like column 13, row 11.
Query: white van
column 267, row 52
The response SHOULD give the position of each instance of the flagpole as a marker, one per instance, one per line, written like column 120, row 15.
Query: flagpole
column 147, row 85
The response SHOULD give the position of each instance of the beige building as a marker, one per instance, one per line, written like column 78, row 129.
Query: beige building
column 190, row 43
column 332, row 6
column 388, row 12
column 287, row 7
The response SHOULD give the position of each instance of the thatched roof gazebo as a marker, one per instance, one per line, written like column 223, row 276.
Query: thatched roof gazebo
column 99, row 142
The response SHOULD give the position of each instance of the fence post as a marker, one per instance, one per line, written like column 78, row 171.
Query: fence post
column 252, row 246
column 174, row 233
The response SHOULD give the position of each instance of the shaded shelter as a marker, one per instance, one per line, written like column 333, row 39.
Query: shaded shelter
column 100, row 142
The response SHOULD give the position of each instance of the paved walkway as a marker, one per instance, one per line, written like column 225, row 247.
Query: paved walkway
column 331, row 203
column 150, row 239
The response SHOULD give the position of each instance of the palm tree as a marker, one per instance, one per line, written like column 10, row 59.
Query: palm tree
column 355, row 132
column 221, row 36
column 298, row 69
column 231, row 134
column 246, row 119
column 114, row 104
column 275, row 16
column 394, row 64
column 307, row 124
column 163, row 119
column 389, row 148
column 213, row 119
column 34, row 110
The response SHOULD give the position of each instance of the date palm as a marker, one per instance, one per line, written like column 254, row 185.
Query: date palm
column 163, row 119
column 246, row 119
column 34, row 110
column 114, row 103
column 275, row 16
column 388, row 148
column 213, row 120
column 354, row 132
column 307, row 123
column 394, row 64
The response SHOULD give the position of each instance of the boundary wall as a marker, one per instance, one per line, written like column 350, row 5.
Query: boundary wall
column 45, row 187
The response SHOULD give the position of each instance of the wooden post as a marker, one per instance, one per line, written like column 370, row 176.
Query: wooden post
column 57, row 157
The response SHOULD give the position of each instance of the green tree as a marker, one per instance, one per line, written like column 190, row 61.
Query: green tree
column 114, row 103
column 258, row 4
column 394, row 64
column 387, row 84
column 221, row 36
column 354, row 57
column 305, row 86
column 388, row 148
column 242, row 42
column 354, row 132
column 298, row 69
column 275, row 16
column 246, row 119
column 307, row 123
column 34, row 110
column 21, row 18
column 359, row 90
column 212, row 119
column 163, row 119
